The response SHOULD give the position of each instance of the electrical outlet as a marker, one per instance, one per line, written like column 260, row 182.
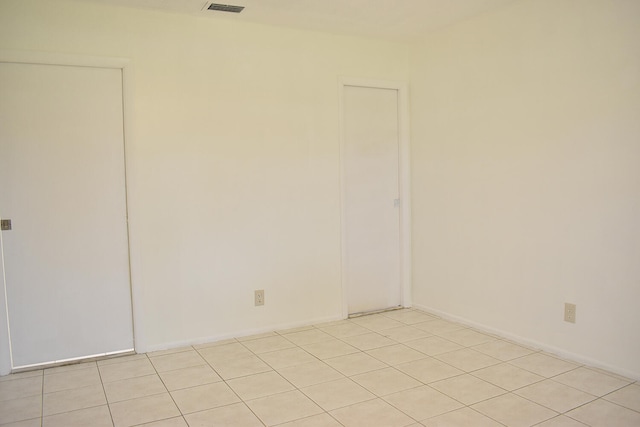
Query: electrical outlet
column 569, row 312
column 259, row 297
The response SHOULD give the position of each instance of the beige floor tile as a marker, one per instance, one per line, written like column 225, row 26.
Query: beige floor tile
column 433, row 346
column 98, row 416
column 429, row 370
column 170, row 422
column 72, row 379
column 556, row 396
column 467, row 337
column 189, row 377
column 467, row 359
column 561, row 421
column 601, row 413
column 543, row 364
column 321, row 420
column 396, row 354
column 73, row 399
column 328, row 349
column 204, row 397
column 347, row 329
column 283, row 407
column 21, row 409
column 220, row 353
column 21, row 375
column 143, row 410
column 310, row 336
column 36, row 422
column 409, row 317
column 259, row 385
column 236, row 415
column 590, row 381
column 124, row 370
column 439, row 326
column 70, row 367
column 120, row 359
column 392, row 354
column 463, row 417
column 132, row 388
column 240, row 367
column 354, row 364
column 21, row 387
column 257, row 336
column 332, row 323
column 376, row 322
column 514, row 411
column 373, row 413
column 385, row 381
column 294, row 330
column 286, row 358
column 264, row 345
column 173, row 361
column 507, row 376
column 423, row 402
column 369, row 341
column 169, row 351
column 310, row 374
column 628, row 397
column 217, row 343
column 503, row 350
column 404, row 333
column 468, row 389
column 337, row 394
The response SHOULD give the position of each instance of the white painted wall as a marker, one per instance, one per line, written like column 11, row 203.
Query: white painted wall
column 526, row 175
column 233, row 160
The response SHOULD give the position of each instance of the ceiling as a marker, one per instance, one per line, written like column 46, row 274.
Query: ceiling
column 396, row 20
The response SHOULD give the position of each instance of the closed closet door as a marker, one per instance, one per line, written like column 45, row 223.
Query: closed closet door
column 62, row 175
column 371, row 198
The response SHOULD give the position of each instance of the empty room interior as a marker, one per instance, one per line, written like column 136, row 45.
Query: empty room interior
column 320, row 213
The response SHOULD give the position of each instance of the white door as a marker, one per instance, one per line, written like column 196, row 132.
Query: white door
column 371, row 198
column 62, row 184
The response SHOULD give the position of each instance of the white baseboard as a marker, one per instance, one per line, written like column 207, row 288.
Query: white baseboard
column 579, row 358
column 238, row 334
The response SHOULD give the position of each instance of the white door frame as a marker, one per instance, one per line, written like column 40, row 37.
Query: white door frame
column 48, row 58
column 404, row 178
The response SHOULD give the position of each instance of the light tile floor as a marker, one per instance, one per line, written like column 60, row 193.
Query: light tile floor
column 400, row 368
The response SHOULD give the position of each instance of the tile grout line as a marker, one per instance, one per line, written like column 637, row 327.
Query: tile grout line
column 113, row 423
column 378, row 332
column 381, row 332
column 376, row 397
column 382, row 397
column 167, row 389
column 362, row 351
column 225, row 382
column 281, row 376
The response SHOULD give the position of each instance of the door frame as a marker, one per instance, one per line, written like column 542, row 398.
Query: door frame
column 124, row 65
column 404, row 181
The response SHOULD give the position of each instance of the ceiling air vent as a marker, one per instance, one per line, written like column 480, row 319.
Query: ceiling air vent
column 225, row 8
